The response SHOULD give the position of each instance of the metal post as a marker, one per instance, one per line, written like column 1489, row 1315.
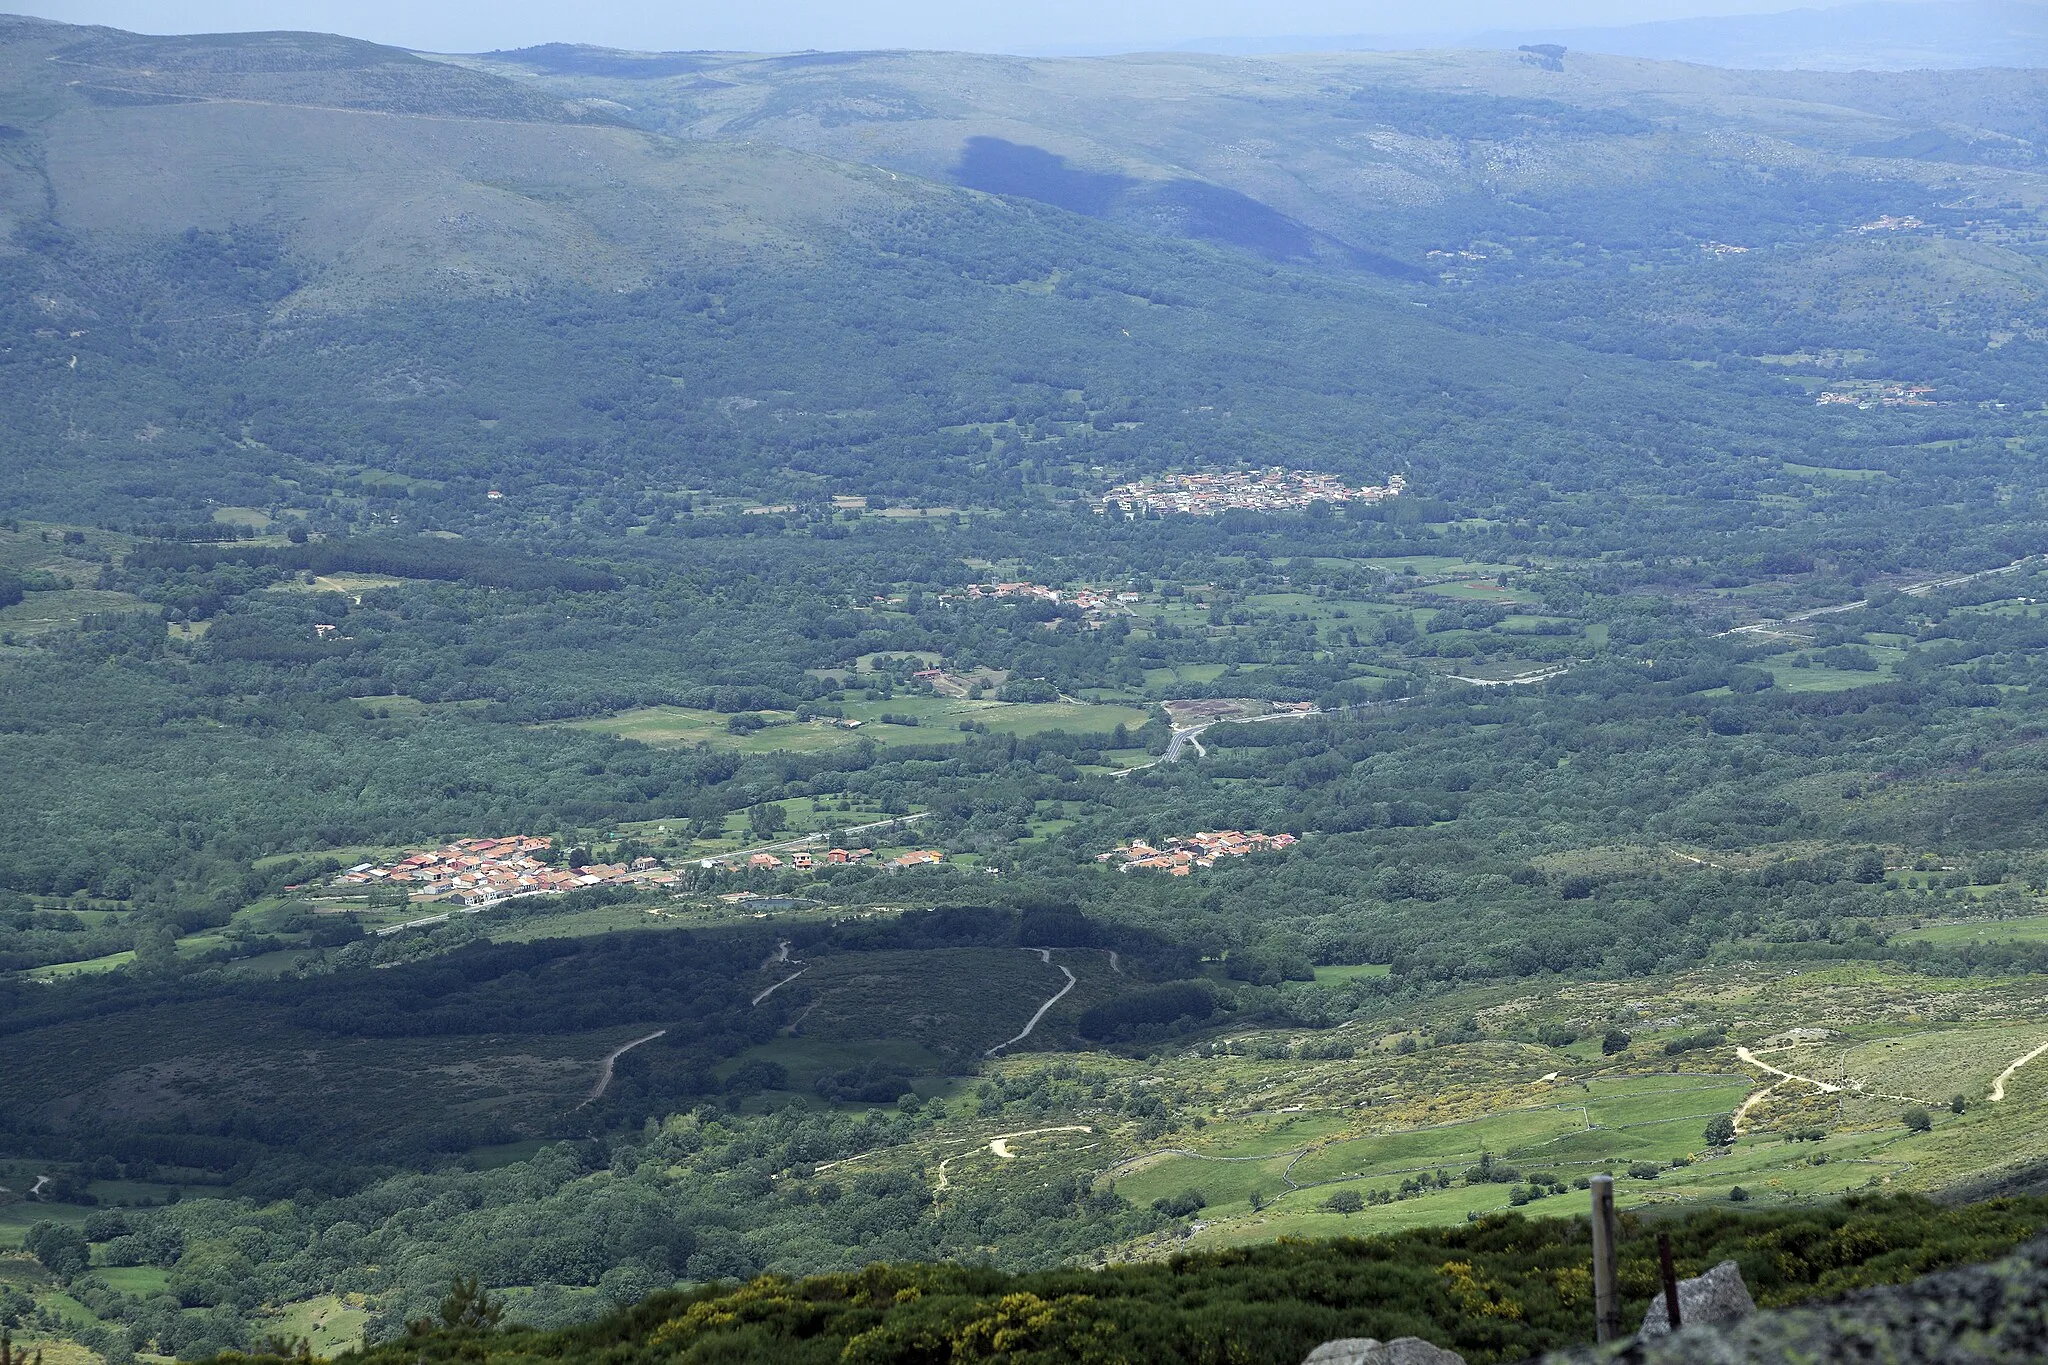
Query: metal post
column 1606, row 1293
column 1670, row 1278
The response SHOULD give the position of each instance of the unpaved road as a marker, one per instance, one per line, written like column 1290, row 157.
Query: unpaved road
column 1000, row 1146
column 1000, row 1143
column 1072, row 981
column 1745, row 1055
column 1998, row 1086
column 1855, row 1087
column 604, row 1075
column 780, row 984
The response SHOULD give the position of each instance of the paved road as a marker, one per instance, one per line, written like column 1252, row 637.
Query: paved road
column 1191, row 734
column 1912, row 590
column 1519, row 680
column 818, row 838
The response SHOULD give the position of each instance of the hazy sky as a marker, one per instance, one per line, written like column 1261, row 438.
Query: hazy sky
column 783, row 25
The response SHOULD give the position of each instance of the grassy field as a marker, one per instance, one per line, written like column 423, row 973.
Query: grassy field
column 1820, row 679
column 938, row 722
column 45, row 611
column 329, row 1323
column 142, row 1280
column 2027, row 929
column 1337, row 976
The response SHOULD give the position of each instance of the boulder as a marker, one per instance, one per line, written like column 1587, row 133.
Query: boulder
column 1993, row 1314
column 1715, row 1298
column 1367, row 1351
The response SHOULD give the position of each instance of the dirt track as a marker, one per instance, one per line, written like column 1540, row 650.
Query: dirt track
column 1998, row 1086
column 604, row 1075
column 1072, row 981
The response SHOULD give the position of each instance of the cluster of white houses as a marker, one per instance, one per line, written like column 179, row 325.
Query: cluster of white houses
column 1269, row 490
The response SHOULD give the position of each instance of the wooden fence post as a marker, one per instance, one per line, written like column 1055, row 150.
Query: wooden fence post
column 1670, row 1270
column 1606, row 1293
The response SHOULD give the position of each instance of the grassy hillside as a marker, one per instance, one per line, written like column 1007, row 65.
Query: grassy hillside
column 1399, row 152
column 383, row 176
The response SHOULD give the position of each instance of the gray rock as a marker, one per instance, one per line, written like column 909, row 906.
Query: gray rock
column 1715, row 1298
column 1399, row 1351
column 1993, row 1314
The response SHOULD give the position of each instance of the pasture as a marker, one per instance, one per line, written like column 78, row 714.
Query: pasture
column 938, row 720
column 2025, row 929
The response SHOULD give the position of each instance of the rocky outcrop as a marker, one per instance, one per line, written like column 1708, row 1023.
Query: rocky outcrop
column 1994, row 1314
column 1714, row 1299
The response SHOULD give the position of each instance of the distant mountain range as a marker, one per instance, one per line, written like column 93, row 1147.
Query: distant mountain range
column 1881, row 35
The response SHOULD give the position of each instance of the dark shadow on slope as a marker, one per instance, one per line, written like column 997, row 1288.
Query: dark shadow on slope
column 995, row 166
column 1180, row 208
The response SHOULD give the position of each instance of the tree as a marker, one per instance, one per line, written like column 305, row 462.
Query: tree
column 1615, row 1040
column 1720, row 1131
column 767, row 819
column 467, row 1307
column 1916, row 1120
column 156, row 948
column 1957, row 1104
column 1346, row 1202
column 61, row 1249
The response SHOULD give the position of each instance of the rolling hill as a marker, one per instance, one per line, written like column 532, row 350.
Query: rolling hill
column 384, row 176
column 1390, row 152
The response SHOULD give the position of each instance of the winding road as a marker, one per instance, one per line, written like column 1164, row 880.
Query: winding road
column 1743, row 1054
column 604, row 1075
column 1044, row 954
column 1855, row 1087
column 1000, row 1143
column 1998, row 1086
column 1921, row 589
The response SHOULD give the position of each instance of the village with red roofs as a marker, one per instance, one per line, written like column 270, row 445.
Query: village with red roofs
column 1182, row 856
column 480, row 871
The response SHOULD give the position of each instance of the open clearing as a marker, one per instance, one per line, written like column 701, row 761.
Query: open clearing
column 937, row 721
column 2026, row 929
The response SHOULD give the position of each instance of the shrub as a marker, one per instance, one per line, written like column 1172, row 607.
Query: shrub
column 1916, row 1120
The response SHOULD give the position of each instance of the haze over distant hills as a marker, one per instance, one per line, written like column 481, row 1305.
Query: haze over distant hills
column 1880, row 35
